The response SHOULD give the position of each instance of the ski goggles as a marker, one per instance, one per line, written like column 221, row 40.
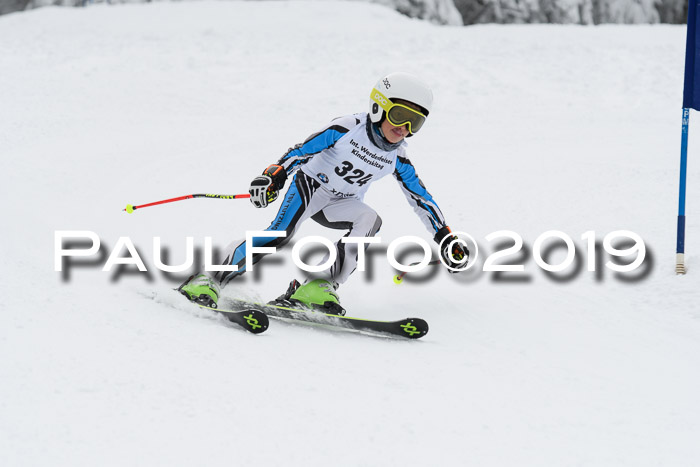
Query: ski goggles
column 399, row 114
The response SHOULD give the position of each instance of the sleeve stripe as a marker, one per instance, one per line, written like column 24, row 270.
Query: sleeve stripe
column 314, row 144
column 338, row 128
column 422, row 202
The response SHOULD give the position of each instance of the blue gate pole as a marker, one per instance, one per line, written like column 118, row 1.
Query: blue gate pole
column 680, row 236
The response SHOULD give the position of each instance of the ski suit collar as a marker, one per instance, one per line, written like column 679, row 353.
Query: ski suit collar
column 376, row 136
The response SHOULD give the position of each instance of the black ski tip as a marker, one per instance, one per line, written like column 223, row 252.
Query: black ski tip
column 413, row 328
column 254, row 321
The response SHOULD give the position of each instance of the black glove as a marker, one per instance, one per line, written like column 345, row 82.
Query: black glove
column 453, row 250
column 265, row 188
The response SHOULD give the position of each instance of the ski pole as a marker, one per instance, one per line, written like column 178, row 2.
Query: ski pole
column 398, row 279
column 129, row 208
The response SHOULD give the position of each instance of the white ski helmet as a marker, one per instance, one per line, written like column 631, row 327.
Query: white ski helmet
column 400, row 85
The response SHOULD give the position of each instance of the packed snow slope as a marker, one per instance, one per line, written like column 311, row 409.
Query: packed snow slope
column 534, row 129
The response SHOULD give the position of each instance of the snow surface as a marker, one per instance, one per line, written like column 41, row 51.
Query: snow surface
column 534, row 129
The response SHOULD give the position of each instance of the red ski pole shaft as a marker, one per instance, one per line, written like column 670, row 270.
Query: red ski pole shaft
column 129, row 208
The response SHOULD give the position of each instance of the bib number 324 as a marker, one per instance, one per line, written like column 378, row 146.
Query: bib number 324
column 352, row 175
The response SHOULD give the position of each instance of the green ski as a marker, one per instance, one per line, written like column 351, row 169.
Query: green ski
column 250, row 319
column 411, row 328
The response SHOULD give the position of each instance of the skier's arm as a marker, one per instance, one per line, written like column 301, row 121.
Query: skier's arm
column 418, row 197
column 454, row 253
column 301, row 153
column 265, row 188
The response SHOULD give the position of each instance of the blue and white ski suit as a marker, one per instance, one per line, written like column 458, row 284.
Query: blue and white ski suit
column 334, row 168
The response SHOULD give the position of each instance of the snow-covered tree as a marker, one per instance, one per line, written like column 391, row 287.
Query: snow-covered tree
column 436, row 11
column 457, row 12
column 8, row 6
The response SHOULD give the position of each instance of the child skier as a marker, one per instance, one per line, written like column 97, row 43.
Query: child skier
column 332, row 171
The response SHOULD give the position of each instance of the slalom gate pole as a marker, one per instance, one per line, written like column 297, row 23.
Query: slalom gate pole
column 129, row 208
column 680, row 235
column 691, row 100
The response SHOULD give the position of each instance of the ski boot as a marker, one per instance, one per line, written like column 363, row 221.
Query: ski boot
column 317, row 295
column 200, row 289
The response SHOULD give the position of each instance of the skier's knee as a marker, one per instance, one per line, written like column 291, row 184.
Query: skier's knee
column 370, row 222
column 377, row 225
